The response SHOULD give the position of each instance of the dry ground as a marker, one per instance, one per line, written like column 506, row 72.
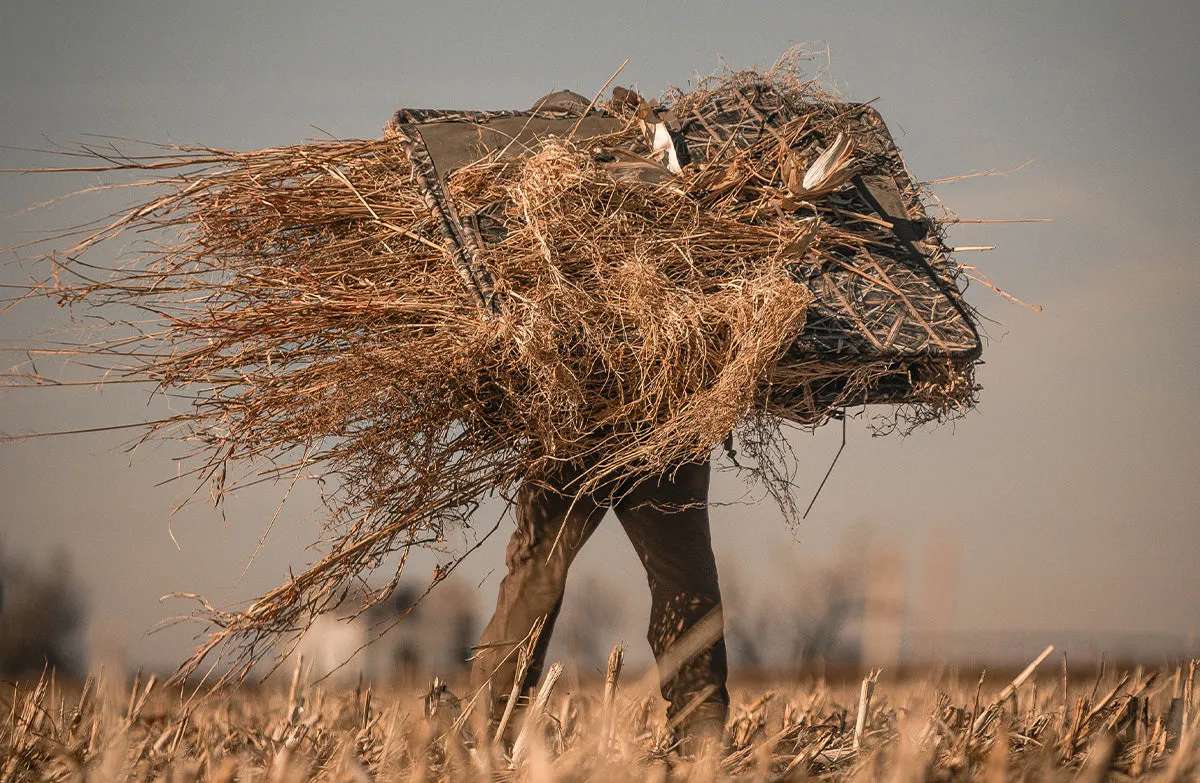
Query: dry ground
column 1120, row 724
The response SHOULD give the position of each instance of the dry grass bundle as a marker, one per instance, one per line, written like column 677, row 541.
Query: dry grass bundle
column 310, row 302
column 1132, row 725
column 640, row 325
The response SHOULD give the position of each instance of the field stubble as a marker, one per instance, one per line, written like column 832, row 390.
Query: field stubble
column 945, row 726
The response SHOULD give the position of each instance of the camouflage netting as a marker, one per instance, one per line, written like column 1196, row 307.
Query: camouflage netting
column 430, row 320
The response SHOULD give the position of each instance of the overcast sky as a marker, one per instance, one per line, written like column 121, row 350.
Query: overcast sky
column 1073, row 493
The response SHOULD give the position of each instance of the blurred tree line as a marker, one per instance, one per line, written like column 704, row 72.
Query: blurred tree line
column 41, row 616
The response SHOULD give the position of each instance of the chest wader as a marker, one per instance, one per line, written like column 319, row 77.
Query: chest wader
column 666, row 519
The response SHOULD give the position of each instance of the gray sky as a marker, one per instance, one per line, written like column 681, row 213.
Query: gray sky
column 1072, row 491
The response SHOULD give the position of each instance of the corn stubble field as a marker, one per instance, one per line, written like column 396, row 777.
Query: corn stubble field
column 1116, row 725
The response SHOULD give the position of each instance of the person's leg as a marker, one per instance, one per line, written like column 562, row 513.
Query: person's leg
column 666, row 519
column 532, row 589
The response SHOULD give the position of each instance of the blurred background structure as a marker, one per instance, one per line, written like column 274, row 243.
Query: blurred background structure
column 402, row 640
column 42, row 614
column 1063, row 511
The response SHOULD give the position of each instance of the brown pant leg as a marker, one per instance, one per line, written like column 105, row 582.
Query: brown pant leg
column 533, row 587
column 666, row 519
